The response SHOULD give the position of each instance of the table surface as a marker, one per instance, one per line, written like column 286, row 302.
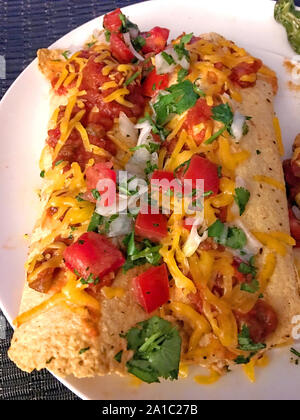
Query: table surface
column 27, row 25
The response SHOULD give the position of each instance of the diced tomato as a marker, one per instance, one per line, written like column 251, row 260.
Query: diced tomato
column 201, row 168
column 151, row 288
column 119, row 49
column 243, row 69
column 93, row 254
column 101, row 171
column 262, row 321
column 53, row 136
column 294, row 225
column 159, row 177
column 155, row 82
column 200, row 113
column 156, row 40
column 151, row 226
column 112, row 21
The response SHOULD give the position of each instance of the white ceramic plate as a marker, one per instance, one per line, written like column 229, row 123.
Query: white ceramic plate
column 24, row 115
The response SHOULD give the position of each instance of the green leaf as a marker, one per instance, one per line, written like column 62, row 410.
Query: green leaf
column 232, row 237
column 95, row 221
column 96, row 194
column 252, row 287
column 286, row 14
column 242, row 360
column 126, row 24
column 223, row 113
column 181, row 97
column 247, row 269
column 181, row 75
column 246, row 343
column 241, row 198
column 138, row 42
column 156, row 345
column 180, row 48
column 236, row 238
column 42, row 174
column 147, row 252
column 216, row 229
column 150, row 167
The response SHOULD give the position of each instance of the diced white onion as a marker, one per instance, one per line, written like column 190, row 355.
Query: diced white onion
column 137, row 163
column 122, row 225
column 127, row 128
column 194, row 239
column 253, row 245
column 162, row 66
column 237, row 125
column 130, row 46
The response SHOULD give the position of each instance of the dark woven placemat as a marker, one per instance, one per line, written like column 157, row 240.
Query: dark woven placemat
column 25, row 26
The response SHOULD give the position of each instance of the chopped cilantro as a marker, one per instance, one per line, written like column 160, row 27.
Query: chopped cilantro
column 184, row 165
column 156, row 344
column 232, row 237
column 150, row 167
column 42, row 174
column 107, row 35
column 223, row 113
column 118, row 356
column 83, row 350
column 242, row 360
column 219, row 171
column 66, row 54
column 138, row 42
column 132, row 78
column 141, row 253
column 91, row 44
column 181, row 97
column 95, row 221
column 241, row 197
column 180, row 48
column 168, row 58
column 96, row 194
column 252, row 287
column 79, row 197
column 295, row 352
column 246, row 343
column 181, row 75
column 90, row 280
column 58, row 162
column 151, row 147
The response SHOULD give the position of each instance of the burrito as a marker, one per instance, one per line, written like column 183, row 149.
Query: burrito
column 164, row 238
